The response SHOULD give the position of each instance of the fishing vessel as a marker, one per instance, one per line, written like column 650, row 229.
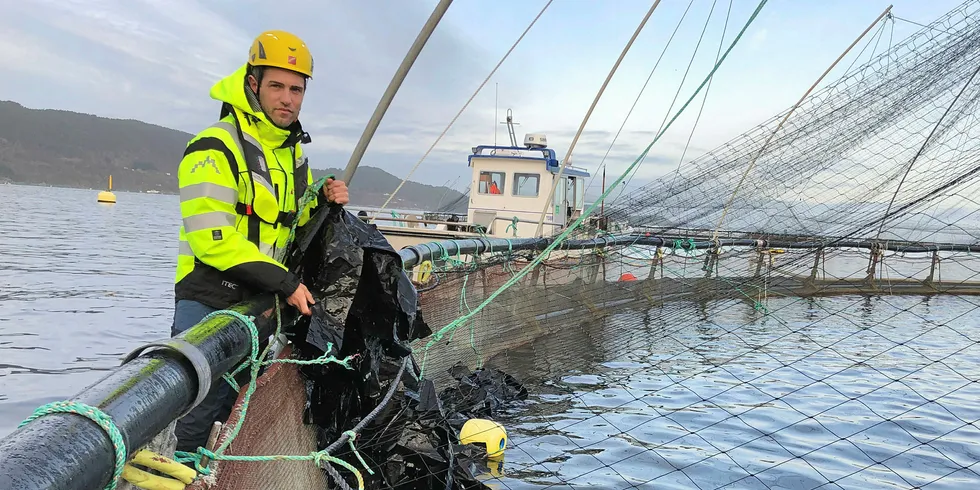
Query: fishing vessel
column 509, row 191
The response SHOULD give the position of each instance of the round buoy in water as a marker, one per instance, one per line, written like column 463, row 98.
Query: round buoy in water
column 485, row 432
column 627, row 277
column 107, row 197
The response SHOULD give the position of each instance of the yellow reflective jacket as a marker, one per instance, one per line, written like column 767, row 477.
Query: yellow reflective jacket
column 240, row 182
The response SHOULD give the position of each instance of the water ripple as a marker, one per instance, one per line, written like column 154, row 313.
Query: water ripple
column 81, row 291
column 757, row 404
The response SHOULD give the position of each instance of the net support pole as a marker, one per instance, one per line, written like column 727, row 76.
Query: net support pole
column 568, row 155
column 64, row 451
column 762, row 149
column 932, row 269
column 396, row 82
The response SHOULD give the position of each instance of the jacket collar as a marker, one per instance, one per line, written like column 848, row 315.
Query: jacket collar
column 234, row 92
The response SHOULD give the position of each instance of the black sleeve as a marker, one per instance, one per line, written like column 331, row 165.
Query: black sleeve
column 265, row 277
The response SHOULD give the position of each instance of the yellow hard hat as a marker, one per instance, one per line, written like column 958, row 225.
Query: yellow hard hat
column 281, row 49
column 486, row 432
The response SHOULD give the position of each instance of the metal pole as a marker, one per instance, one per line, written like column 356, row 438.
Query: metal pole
column 602, row 204
column 396, row 82
column 568, row 155
column 495, row 123
column 68, row 451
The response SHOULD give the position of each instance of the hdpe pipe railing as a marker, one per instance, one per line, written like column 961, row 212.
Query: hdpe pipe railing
column 415, row 254
column 158, row 384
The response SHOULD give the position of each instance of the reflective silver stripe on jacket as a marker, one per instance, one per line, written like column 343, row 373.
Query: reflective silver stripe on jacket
column 204, row 221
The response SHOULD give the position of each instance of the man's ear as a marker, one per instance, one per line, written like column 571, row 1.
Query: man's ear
column 253, row 83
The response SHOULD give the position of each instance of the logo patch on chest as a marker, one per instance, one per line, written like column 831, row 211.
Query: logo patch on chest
column 216, row 235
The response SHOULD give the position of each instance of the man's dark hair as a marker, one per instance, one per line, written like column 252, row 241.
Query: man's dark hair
column 259, row 71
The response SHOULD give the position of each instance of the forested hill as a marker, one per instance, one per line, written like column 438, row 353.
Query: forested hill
column 70, row 149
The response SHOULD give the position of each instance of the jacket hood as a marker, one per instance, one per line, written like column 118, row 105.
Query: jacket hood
column 233, row 90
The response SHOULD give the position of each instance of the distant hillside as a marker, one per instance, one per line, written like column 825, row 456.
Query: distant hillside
column 70, row 149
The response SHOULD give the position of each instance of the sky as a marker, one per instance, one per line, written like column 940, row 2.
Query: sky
column 155, row 60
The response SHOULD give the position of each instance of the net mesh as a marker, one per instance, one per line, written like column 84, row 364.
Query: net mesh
column 901, row 127
column 793, row 314
column 273, row 425
column 749, row 375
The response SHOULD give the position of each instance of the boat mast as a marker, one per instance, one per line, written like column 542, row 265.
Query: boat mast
column 396, row 82
column 510, row 127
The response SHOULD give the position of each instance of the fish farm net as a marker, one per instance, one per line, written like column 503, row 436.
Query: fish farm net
column 795, row 309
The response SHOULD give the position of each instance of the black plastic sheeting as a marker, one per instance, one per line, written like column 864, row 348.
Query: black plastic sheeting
column 367, row 307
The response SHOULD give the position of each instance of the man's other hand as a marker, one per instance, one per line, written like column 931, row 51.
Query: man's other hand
column 336, row 191
column 301, row 299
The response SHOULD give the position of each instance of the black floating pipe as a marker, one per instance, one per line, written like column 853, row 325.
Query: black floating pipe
column 142, row 396
column 415, row 254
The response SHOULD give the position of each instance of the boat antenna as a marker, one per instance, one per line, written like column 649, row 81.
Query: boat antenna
column 396, row 82
column 495, row 98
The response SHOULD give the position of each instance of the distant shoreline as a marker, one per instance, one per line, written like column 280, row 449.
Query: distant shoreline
column 71, row 150
column 402, row 207
column 65, row 186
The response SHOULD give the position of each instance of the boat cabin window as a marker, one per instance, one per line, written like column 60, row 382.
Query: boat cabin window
column 491, row 183
column 526, row 184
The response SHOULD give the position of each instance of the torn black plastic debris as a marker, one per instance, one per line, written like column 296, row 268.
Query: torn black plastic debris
column 481, row 393
column 367, row 307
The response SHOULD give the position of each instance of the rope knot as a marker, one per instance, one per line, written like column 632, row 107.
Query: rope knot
column 513, row 225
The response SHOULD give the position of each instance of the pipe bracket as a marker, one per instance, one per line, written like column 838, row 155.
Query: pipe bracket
column 189, row 352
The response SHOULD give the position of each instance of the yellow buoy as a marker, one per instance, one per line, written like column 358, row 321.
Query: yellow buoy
column 487, row 433
column 107, row 196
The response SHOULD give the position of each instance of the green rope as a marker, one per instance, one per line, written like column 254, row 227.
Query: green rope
column 255, row 364
column 437, row 336
column 95, row 415
column 513, row 225
column 308, row 197
column 317, row 457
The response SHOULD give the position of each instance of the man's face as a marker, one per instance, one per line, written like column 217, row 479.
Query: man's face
column 281, row 95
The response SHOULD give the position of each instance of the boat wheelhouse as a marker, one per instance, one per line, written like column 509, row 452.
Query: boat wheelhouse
column 511, row 185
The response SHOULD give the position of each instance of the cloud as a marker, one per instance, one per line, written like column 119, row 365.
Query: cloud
column 155, row 61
